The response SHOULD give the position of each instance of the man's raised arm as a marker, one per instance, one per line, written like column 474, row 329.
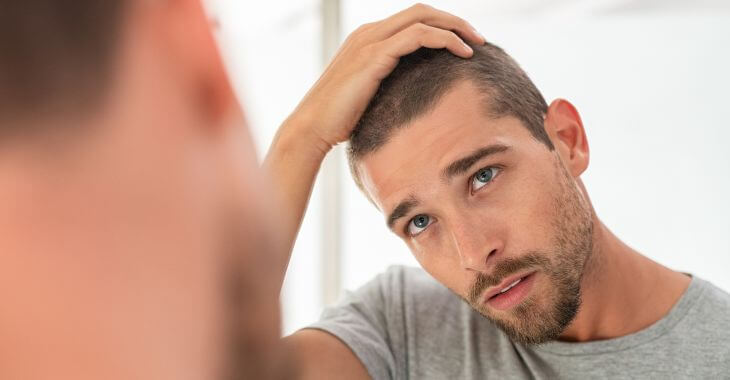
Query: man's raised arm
column 325, row 117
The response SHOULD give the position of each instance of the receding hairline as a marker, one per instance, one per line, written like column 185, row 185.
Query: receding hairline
column 423, row 78
column 487, row 110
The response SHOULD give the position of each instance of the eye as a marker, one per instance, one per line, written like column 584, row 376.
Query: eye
column 418, row 224
column 482, row 177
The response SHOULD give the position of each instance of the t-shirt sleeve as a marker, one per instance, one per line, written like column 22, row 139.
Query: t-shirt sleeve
column 364, row 320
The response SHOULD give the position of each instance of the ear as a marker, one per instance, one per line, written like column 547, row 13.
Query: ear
column 186, row 32
column 563, row 125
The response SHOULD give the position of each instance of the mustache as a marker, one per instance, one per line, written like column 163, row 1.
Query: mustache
column 503, row 269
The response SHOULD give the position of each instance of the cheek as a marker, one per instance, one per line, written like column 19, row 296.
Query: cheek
column 444, row 266
column 529, row 212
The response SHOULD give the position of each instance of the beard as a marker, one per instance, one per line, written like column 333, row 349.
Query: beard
column 532, row 321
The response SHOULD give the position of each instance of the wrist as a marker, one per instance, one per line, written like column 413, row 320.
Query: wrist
column 298, row 136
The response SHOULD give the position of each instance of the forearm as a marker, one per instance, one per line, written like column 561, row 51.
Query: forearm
column 292, row 164
column 330, row 110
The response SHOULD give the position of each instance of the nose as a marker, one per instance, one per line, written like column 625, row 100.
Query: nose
column 475, row 244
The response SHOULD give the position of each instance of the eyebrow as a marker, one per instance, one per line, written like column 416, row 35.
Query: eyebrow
column 455, row 168
column 463, row 164
column 403, row 208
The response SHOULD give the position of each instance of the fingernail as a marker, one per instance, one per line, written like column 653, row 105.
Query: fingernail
column 480, row 35
column 467, row 47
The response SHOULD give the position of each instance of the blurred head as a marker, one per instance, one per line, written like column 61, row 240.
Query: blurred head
column 135, row 238
column 480, row 178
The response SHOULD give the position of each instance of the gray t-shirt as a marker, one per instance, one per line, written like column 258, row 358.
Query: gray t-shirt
column 405, row 325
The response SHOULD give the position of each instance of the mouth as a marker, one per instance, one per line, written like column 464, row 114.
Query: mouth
column 511, row 292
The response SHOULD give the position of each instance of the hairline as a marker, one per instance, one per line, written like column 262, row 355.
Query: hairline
column 486, row 94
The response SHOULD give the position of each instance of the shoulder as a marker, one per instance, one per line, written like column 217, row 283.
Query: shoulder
column 399, row 280
column 407, row 287
column 409, row 278
column 379, row 320
column 410, row 300
column 714, row 303
column 391, row 294
column 715, row 296
column 403, row 298
column 708, row 321
column 403, row 323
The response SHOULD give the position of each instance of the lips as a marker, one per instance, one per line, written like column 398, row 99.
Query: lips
column 506, row 284
column 510, row 286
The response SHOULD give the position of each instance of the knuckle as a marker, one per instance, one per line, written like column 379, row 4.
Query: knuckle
column 364, row 27
column 419, row 29
column 357, row 34
column 358, row 31
column 421, row 8
column 461, row 21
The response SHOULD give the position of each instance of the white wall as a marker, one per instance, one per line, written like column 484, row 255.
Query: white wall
column 649, row 78
column 272, row 50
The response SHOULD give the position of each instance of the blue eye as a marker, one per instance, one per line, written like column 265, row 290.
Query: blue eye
column 483, row 177
column 418, row 224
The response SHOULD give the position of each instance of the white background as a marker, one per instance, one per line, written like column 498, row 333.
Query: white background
column 650, row 79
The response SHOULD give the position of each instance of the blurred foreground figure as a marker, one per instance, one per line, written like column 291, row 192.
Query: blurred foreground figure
column 128, row 200
column 135, row 242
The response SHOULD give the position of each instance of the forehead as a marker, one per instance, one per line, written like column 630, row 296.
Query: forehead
column 413, row 158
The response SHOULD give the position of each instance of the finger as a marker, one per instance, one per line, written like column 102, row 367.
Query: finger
column 421, row 35
column 428, row 15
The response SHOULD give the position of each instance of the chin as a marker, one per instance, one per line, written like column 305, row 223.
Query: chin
column 535, row 320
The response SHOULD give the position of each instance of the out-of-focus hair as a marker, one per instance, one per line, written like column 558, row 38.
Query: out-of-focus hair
column 55, row 56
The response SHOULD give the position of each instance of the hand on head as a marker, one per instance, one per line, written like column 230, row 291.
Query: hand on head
column 330, row 110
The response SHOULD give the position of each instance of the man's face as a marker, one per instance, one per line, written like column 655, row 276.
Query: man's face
column 489, row 211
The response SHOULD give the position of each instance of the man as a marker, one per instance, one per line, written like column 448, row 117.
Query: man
column 135, row 241
column 481, row 179
column 131, row 220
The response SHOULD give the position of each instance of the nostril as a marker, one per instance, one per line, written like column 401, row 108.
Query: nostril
column 492, row 253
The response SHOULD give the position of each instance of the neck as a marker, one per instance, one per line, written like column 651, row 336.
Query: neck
column 622, row 291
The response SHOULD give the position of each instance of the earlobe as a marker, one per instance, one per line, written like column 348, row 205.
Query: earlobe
column 565, row 128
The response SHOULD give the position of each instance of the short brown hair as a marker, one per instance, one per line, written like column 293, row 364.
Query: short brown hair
column 55, row 56
column 423, row 77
